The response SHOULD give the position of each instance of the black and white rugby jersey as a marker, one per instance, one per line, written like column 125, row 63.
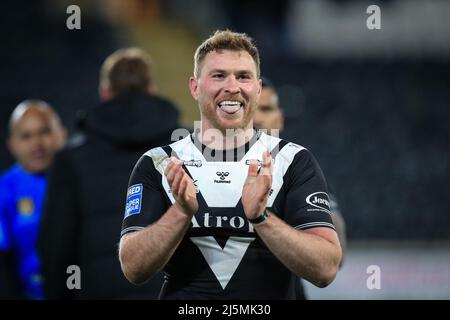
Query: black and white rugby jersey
column 221, row 256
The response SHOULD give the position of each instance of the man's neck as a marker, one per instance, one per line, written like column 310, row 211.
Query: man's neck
column 225, row 140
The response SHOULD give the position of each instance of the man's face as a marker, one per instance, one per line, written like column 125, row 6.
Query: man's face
column 227, row 90
column 34, row 140
column 268, row 114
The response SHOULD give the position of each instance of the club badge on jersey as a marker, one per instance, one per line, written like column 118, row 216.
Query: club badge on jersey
column 25, row 206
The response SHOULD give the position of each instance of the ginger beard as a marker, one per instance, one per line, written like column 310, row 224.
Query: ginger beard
column 228, row 113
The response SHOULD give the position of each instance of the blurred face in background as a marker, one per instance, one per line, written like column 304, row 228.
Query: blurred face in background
column 268, row 114
column 227, row 90
column 35, row 136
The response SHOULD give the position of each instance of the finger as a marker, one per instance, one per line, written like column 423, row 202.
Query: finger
column 187, row 195
column 176, row 161
column 183, row 189
column 169, row 167
column 173, row 161
column 266, row 168
column 172, row 173
column 267, row 183
column 190, row 189
column 253, row 168
column 176, row 182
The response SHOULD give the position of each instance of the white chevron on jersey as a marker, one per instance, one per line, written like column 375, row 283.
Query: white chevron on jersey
column 223, row 262
column 283, row 160
column 160, row 160
column 207, row 174
column 208, row 179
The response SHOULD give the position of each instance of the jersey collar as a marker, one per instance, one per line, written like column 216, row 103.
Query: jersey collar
column 234, row 155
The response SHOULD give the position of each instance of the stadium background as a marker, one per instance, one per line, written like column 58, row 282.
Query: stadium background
column 372, row 105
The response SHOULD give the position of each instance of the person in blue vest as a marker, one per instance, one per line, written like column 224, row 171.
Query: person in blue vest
column 35, row 135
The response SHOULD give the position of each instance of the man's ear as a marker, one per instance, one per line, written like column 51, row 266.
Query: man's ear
column 152, row 89
column 281, row 119
column 193, row 86
column 105, row 93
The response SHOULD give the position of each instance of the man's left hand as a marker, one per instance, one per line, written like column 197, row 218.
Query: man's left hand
column 257, row 186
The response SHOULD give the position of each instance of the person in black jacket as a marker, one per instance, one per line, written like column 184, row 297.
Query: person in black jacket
column 89, row 178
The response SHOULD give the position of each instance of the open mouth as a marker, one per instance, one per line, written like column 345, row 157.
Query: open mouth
column 230, row 106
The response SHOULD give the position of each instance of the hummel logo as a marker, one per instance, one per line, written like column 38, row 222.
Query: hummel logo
column 222, row 176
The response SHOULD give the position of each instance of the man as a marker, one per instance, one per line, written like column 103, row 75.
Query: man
column 88, row 180
column 218, row 226
column 269, row 116
column 35, row 134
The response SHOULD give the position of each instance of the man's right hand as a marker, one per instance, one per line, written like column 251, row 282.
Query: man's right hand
column 182, row 187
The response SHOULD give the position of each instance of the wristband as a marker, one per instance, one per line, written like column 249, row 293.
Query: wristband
column 261, row 218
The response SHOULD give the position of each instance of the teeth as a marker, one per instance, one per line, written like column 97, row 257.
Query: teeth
column 229, row 106
column 230, row 103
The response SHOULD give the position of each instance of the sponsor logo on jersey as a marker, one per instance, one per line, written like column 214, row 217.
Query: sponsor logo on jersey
column 217, row 221
column 134, row 200
column 248, row 162
column 25, row 206
column 320, row 202
column 193, row 163
column 293, row 145
column 222, row 176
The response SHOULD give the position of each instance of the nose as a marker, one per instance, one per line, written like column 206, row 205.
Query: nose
column 35, row 141
column 232, row 85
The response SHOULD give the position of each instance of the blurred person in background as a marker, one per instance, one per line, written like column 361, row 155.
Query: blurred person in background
column 88, row 180
column 269, row 117
column 35, row 135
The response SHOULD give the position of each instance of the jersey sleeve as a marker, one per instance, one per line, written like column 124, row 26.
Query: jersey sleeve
column 146, row 200
column 307, row 201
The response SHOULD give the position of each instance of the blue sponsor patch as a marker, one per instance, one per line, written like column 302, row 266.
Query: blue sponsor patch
column 134, row 200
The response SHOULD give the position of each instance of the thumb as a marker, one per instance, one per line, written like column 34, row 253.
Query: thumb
column 253, row 168
column 266, row 168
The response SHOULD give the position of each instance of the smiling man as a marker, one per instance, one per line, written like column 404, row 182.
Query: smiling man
column 232, row 107
column 230, row 227
column 35, row 135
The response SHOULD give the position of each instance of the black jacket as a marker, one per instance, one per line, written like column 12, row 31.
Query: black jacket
column 86, row 198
